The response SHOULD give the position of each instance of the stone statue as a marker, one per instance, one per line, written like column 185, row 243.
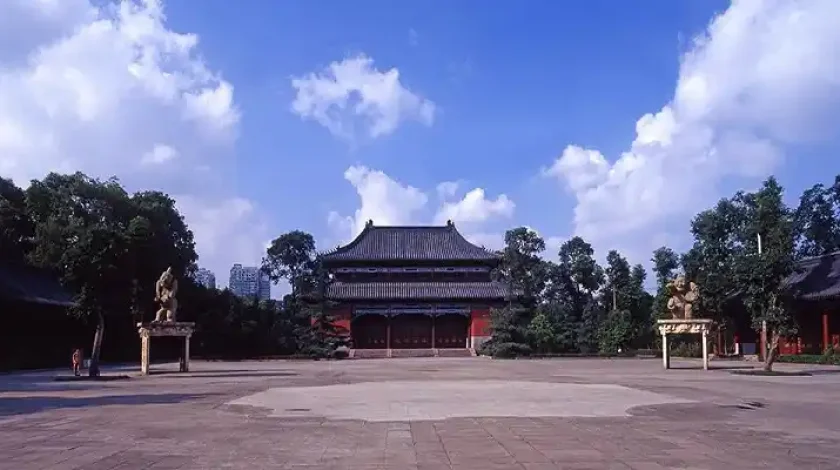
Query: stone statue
column 683, row 298
column 166, row 288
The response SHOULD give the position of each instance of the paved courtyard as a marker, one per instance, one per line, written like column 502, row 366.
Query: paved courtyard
column 432, row 414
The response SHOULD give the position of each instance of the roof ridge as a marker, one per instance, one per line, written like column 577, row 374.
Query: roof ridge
column 412, row 242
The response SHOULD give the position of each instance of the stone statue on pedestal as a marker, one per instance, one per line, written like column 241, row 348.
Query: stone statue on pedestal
column 166, row 288
column 683, row 299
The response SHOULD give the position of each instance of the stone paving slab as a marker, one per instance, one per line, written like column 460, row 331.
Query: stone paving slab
column 699, row 419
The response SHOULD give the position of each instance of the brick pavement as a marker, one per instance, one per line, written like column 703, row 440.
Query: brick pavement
column 173, row 421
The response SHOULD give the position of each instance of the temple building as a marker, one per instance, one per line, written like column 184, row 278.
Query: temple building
column 815, row 286
column 413, row 288
column 814, row 297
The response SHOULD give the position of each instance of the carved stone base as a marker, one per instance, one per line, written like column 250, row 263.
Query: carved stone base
column 148, row 330
column 698, row 326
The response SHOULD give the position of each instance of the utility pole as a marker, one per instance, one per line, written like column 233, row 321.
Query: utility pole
column 763, row 322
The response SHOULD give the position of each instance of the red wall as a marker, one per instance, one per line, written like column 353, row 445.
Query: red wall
column 480, row 324
column 341, row 317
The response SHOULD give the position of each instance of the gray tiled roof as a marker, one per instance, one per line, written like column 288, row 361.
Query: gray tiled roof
column 816, row 278
column 416, row 290
column 29, row 284
column 427, row 243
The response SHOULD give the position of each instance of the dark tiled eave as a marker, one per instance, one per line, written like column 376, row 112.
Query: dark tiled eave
column 410, row 244
column 816, row 278
column 27, row 284
column 405, row 291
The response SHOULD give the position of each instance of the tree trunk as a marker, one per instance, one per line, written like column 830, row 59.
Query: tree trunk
column 772, row 352
column 93, row 371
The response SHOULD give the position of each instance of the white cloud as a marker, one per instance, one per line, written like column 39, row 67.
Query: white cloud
column 383, row 200
column 353, row 90
column 765, row 74
column 160, row 153
column 227, row 231
column 474, row 207
column 108, row 89
column 389, row 202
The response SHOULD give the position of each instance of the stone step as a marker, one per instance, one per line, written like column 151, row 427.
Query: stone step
column 460, row 352
column 369, row 353
column 413, row 352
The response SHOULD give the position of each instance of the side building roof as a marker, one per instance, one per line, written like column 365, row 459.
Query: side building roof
column 32, row 285
column 816, row 278
column 410, row 243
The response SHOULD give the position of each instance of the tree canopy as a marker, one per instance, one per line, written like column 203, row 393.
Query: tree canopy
column 108, row 246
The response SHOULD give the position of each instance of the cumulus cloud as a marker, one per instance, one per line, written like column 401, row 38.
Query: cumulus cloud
column 228, row 231
column 763, row 76
column 387, row 201
column 382, row 199
column 160, row 153
column 108, row 88
column 353, row 94
column 475, row 207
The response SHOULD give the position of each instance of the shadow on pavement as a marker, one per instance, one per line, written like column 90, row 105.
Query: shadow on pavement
column 713, row 367
column 27, row 405
column 822, row 371
column 221, row 373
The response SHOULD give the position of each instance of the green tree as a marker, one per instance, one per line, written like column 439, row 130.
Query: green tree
column 522, row 268
column 665, row 263
column 760, row 275
column 717, row 236
column 323, row 338
column 105, row 245
column 628, row 304
column 641, row 303
column 817, row 220
column 510, row 333
column 570, row 293
column 291, row 256
column 546, row 330
column 524, row 272
column 16, row 228
column 616, row 332
column 617, row 274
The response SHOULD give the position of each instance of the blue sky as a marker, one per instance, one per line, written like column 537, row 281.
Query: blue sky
column 515, row 83
column 534, row 108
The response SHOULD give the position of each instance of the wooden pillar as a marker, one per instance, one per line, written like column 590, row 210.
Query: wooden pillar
column 825, row 336
column 144, row 354
column 433, row 332
column 666, row 355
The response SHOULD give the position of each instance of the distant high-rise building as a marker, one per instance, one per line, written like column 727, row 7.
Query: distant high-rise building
column 248, row 281
column 206, row 278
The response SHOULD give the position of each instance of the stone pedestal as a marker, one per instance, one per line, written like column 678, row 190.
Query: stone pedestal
column 698, row 326
column 149, row 330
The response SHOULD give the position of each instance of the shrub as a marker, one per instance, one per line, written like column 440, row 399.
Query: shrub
column 511, row 350
column 687, row 350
